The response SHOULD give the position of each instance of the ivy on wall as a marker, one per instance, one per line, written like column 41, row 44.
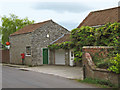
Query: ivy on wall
column 107, row 35
column 115, row 64
column 63, row 45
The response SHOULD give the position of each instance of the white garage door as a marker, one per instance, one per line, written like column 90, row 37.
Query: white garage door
column 60, row 57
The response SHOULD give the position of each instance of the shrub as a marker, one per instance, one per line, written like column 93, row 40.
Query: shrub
column 115, row 64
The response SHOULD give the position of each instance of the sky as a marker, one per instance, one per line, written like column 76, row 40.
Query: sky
column 68, row 13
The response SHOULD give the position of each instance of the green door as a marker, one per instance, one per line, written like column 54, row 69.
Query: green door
column 45, row 56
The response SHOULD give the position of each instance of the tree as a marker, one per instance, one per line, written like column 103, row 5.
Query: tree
column 12, row 24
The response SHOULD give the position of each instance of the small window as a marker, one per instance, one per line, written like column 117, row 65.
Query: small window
column 72, row 54
column 28, row 50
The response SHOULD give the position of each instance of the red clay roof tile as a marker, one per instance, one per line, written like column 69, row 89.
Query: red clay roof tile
column 102, row 17
column 29, row 28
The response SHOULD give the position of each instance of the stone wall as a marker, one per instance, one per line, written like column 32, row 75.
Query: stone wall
column 90, row 70
column 51, row 56
column 18, row 46
column 40, row 39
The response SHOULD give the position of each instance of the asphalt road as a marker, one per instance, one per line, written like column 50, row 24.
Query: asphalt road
column 15, row 78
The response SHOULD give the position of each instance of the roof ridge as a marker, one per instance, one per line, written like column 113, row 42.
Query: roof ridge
column 43, row 21
column 105, row 9
column 31, row 29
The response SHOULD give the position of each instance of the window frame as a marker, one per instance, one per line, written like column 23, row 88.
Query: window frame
column 26, row 54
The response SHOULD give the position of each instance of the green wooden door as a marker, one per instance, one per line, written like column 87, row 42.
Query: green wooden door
column 45, row 56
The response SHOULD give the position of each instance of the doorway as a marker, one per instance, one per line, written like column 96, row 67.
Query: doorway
column 45, row 55
column 71, row 58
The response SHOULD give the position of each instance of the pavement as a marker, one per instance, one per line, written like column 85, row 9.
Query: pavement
column 15, row 78
column 62, row 71
column 13, row 65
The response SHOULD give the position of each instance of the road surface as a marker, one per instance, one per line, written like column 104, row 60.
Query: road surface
column 15, row 78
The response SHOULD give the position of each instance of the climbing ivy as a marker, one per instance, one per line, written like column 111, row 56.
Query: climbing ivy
column 115, row 64
column 63, row 45
column 107, row 35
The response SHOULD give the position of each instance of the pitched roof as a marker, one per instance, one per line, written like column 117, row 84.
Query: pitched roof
column 29, row 28
column 64, row 38
column 102, row 17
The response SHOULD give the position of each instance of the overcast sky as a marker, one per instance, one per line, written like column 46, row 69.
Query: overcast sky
column 68, row 13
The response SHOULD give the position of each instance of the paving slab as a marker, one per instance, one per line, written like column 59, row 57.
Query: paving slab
column 63, row 71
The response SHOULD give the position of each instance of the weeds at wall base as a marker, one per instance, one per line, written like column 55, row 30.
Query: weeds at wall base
column 99, row 83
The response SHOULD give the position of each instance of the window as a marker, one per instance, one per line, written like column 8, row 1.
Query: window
column 72, row 54
column 28, row 50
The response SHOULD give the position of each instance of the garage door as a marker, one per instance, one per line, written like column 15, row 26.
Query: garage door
column 60, row 57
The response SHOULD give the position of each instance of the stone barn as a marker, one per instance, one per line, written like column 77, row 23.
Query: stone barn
column 33, row 40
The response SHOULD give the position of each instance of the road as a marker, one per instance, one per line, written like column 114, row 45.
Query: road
column 14, row 78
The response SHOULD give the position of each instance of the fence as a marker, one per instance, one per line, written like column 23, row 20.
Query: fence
column 4, row 56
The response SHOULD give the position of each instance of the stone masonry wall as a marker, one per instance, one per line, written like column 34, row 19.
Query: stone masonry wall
column 40, row 39
column 18, row 46
column 90, row 70
column 51, row 56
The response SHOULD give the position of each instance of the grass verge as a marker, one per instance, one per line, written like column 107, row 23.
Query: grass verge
column 99, row 83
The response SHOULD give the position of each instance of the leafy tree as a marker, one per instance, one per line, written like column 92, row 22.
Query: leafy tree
column 12, row 24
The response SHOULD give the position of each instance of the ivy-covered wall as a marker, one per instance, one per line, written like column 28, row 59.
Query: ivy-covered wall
column 107, row 35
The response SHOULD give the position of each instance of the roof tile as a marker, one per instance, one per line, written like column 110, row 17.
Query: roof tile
column 29, row 28
column 102, row 17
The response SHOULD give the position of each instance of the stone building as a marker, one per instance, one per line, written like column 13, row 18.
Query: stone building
column 33, row 40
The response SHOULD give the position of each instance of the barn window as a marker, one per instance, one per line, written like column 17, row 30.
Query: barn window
column 28, row 50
